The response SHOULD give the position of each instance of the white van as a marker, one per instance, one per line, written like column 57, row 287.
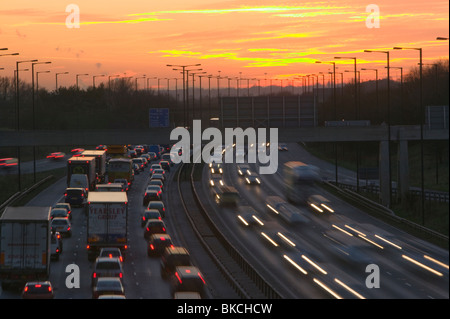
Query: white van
column 79, row 181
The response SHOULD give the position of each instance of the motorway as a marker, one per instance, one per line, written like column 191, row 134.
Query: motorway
column 333, row 249
column 363, row 240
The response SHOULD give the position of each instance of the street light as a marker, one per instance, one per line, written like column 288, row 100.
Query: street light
column 183, row 68
column 388, row 120
column 376, row 83
column 356, row 88
column 18, row 115
column 109, row 80
column 56, row 77
column 77, row 78
column 422, row 117
column 96, row 76
column 335, row 118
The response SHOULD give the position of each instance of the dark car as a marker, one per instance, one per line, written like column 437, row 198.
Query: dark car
column 159, row 205
column 151, row 195
column 157, row 243
column 108, row 286
column 158, row 176
column 111, row 252
column 156, row 182
column 154, row 226
column 188, row 278
column 140, row 162
column 173, row 257
column 148, row 215
column 38, row 290
column 75, row 196
column 59, row 212
column 156, row 188
column 66, row 206
column 165, row 165
column 107, row 267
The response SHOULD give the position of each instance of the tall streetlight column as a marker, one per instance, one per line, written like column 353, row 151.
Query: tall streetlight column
column 77, row 76
column 18, row 116
column 422, row 120
column 56, row 79
column 33, row 114
column 335, row 118
column 183, row 68
column 388, row 115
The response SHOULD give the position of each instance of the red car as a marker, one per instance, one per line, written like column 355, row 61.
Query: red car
column 56, row 155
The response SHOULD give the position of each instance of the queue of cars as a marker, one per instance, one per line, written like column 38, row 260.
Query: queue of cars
column 108, row 270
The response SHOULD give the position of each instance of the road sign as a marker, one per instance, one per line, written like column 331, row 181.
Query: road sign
column 159, row 117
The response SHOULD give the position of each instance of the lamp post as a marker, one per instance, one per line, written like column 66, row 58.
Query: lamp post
column 335, row 117
column 96, row 76
column 183, row 68
column 388, row 120
column 56, row 79
column 421, row 118
column 376, row 85
column 78, row 75
column 33, row 114
column 356, row 87
column 18, row 115
column 136, row 82
column 193, row 91
column 109, row 80
column 201, row 95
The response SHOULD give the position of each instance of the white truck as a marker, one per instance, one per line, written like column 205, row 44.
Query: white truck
column 100, row 162
column 107, row 222
column 25, row 239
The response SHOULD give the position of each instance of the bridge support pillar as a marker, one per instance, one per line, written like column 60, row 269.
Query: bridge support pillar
column 384, row 173
column 403, row 170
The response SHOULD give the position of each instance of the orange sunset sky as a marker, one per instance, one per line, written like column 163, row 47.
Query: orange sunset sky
column 248, row 38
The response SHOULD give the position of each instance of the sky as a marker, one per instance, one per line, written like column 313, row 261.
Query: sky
column 250, row 39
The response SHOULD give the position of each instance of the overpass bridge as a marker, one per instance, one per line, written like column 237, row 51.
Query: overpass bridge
column 162, row 135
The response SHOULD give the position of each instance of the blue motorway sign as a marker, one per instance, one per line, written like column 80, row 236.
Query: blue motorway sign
column 159, row 117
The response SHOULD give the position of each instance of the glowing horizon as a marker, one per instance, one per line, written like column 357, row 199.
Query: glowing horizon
column 258, row 39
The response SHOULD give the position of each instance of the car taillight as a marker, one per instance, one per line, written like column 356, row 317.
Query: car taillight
column 68, row 228
column 94, row 275
column 121, row 259
column 143, row 218
column 152, row 247
column 38, row 286
column 87, row 246
column 26, row 289
column 120, row 275
column 49, row 289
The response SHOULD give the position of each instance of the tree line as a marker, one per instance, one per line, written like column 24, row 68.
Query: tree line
column 121, row 106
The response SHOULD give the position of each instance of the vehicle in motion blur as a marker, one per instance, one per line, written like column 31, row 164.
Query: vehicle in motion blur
column 299, row 179
column 188, row 278
column 173, row 257
column 157, row 243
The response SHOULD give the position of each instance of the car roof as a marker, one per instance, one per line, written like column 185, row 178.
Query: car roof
column 107, row 259
column 161, row 236
column 188, row 271
column 156, row 202
column 176, row 250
